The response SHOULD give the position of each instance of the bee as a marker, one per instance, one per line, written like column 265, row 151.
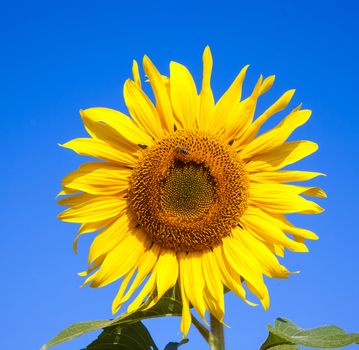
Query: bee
column 182, row 151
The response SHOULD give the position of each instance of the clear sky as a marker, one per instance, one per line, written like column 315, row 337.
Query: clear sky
column 60, row 56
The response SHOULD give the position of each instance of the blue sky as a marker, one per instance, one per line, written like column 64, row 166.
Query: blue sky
column 58, row 57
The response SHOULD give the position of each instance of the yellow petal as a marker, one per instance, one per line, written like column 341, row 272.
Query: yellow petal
column 66, row 191
column 238, row 119
column 277, row 198
column 297, row 232
column 183, row 95
column 190, row 267
column 266, row 228
column 206, row 99
column 142, row 110
column 276, row 136
column 279, row 250
column 273, row 189
column 89, row 227
column 276, row 107
column 313, row 192
column 229, row 99
column 79, row 198
column 163, row 103
column 242, row 261
column 93, row 267
column 186, row 318
column 124, row 284
column 136, row 74
column 146, row 264
column 281, row 156
column 213, row 290
column 126, row 128
column 120, row 260
column 268, row 262
column 96, row 209
column 262, row 295
column 101, row 150
column 98, row 178
column 283, row 176
column 241, row 116
column 107, row 134
column 167, row 272
column 267, row 84
column 231, row 266
column 110, row 236
column 147, row 289
column 232, row 281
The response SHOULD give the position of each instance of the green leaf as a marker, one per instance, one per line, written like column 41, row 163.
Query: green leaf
column 76, row 330
column 286, row 333
column 175, row 346
column 169, row 305
column 134, row 336
column 284, row 347
column 275, row 342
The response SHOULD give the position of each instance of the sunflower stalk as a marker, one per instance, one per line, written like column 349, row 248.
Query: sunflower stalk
column 216, row 339
column 201, row 329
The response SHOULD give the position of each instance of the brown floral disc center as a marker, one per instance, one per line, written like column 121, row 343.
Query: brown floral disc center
column 188, row 191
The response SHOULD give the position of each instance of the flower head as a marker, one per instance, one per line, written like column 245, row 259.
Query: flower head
column 188, row 191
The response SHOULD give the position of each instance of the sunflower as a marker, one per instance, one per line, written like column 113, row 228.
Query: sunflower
column 188, row 191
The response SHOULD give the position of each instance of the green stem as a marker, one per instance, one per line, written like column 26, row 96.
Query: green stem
column 201, row 329
column 217, row 335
